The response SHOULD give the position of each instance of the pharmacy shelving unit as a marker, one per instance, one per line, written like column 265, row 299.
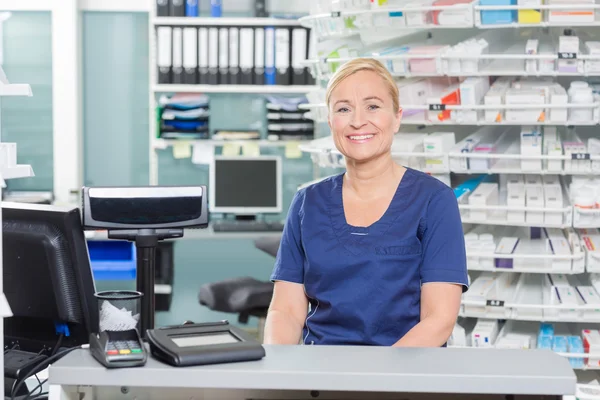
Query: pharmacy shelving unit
column 9, row 169
column 157, row 144
column 524, row 307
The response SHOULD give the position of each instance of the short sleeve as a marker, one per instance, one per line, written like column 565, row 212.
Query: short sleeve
column 289, row 263
column 444, row 254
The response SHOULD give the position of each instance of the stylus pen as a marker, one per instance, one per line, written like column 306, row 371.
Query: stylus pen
column 201, row 324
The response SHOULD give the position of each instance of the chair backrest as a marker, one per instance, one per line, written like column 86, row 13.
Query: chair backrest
column 268, row 244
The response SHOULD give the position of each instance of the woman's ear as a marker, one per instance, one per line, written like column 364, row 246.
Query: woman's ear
column 398, row 119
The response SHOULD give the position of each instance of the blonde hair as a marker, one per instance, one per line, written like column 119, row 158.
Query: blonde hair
column 364, row 64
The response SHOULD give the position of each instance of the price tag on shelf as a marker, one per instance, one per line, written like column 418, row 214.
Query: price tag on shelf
column 494, row 303
column 580, row 156
column 437, row 107
column 336, row 14
column 567, row 56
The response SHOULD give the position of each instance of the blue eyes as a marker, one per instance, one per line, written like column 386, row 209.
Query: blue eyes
column 371, row 107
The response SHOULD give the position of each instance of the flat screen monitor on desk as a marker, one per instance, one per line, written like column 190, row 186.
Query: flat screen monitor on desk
column 47, row 276
column 245, row 186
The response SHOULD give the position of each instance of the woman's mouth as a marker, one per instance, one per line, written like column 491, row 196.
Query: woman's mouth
column 360, row 138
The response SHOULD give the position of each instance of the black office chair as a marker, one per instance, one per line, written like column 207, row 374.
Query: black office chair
column 244, row 296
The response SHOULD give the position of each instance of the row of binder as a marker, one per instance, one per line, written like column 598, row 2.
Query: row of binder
column 185, row 8
column 233, row 55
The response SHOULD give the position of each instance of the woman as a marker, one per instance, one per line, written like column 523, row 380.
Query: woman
column 377, row 251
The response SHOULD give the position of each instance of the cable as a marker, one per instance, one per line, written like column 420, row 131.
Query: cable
column 34, row 389
column 39, row 367
column 58, row 343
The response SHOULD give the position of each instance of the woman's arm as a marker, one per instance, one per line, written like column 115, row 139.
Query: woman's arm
column 287, row 313
column 440, row 303
column 443, row 272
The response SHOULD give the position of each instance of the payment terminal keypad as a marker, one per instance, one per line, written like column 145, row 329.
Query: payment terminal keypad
column 123, row 348
column 115, row 349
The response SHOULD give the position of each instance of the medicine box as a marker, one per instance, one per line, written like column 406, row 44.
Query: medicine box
column 568, row 297
column 493, row 17
column 570, row 15
column 559, row 344
column 560, row 247
column 534, row 199
column 486, row 194
column 591, row 345
column 553, row 198
column 515, row 197
column 485, row 332
column 532, row 16
column 438, row 143
column 507, row 245
column 531, row 145
column 591, row 244
column 575, row 346
column 590, row 297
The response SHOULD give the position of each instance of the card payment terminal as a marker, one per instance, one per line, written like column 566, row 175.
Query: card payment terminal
column 118, row 349
column 204, row 343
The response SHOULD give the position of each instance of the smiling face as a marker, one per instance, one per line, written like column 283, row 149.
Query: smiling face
column 362, row 117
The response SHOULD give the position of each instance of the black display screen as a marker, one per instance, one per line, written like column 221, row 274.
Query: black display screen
column 245, row 183
column 139, row 209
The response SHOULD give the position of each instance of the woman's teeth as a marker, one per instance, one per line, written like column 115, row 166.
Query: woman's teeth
column 361, row 137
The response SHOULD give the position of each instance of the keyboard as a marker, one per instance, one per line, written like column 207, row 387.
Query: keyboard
column 247, row 226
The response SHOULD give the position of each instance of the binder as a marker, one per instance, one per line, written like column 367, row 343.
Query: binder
column 178, row 8
column 190, row 56
column 259, row 56
column 311, row 54
column 223, row 56
column 299, row 51
column 234, row 56
column 162, row 8
column 164, row 53
column 282, row 56
column 191, row 8
column 270, row 73
column 177, row 56
column 203, row 56
column 213, row 56
column 246, row 45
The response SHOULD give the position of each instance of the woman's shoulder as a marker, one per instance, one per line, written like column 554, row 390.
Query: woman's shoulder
column 423, row 188
column 316, row 192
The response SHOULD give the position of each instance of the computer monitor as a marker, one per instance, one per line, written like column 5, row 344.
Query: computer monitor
column 245, row 186
column 47, row 276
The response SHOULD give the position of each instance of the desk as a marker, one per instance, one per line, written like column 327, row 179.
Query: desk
column 207, row 233
column 328, row 372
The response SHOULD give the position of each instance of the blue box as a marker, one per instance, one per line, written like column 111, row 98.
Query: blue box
column 546, row 330
column 112, row 259
column 575, row 346
column 497, row 17
column 544, row 342
column 559, row 344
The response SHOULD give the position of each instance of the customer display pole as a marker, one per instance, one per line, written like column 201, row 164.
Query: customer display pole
column 146, row 241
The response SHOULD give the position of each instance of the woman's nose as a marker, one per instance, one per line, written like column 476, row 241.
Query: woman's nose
column 358, row 119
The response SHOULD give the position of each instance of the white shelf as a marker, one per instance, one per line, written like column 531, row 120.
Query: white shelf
column 211, row 21
column 164, row 143
column 257, row 89
column 18, row 171
column 15, row 89
column 500, row 222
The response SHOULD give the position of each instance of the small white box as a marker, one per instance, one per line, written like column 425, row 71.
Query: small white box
column 484, row 195
column 531, row 47
column 516, row 198
column 484, row 334
column 534, row 198
column 438, row 143
column 560, row 247
column 558, row 95
column 531, row 145
column 553, row 198
column 589, row 296
column 568, row 297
